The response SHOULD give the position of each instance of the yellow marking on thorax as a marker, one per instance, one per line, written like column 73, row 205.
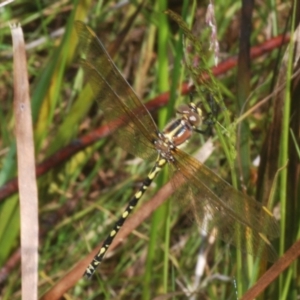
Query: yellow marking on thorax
column 170, row 135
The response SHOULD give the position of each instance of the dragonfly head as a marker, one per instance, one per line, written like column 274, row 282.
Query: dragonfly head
column 192, row 113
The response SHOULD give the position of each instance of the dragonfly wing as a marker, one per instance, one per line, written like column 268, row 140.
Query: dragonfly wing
column 239, row 219
column 133, row 126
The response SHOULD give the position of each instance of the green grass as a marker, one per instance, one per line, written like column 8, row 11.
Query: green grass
column 81, row 198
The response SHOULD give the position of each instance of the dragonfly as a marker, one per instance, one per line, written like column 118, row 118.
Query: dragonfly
column 240, row 220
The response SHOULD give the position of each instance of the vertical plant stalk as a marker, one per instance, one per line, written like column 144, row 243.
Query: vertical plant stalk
column 243, row 88
column 26, row 168
column 243, row 91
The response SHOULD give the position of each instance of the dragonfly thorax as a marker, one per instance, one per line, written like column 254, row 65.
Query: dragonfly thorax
column 164, row 146
column 178, row 131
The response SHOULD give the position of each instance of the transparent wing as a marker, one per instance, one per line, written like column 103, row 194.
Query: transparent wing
column 239, row 219
column 133, row 126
